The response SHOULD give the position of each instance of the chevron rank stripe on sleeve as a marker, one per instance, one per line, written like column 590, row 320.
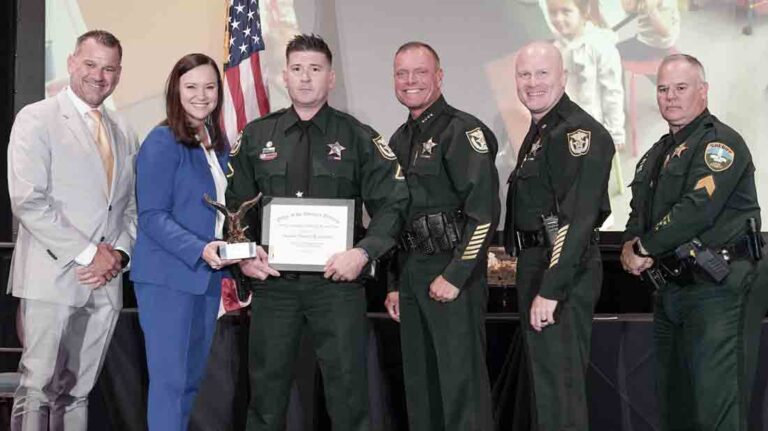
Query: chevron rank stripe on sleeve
column 476, row 242
column 559, row 241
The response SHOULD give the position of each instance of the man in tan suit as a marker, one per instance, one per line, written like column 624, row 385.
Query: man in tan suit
column 71, row 183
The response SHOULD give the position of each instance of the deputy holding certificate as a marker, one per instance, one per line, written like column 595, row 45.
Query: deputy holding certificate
column 311, row 150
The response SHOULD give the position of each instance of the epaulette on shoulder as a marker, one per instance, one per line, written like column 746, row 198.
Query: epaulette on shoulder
column 265, row 121
column 723, row 132
column 354, row 122
column 273, row 114
column 466, row 120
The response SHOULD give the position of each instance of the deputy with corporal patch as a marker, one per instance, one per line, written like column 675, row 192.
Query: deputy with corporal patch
column 557, row 198
column 447, row 158
column 693, row 234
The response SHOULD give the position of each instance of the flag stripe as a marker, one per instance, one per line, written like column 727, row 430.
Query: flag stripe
column 245, row 92
column 260, row 84
column 228, row 115
column 236, row 92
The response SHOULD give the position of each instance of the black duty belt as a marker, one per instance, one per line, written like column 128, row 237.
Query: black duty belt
column 737, row 251
column 433, row 233
column 670, row 267
column 537, row 238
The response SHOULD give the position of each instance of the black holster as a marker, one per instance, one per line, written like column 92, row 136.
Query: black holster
column 432, row 233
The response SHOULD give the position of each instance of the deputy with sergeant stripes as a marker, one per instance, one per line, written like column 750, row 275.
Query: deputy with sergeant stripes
column 557, row 198
column 694, row 234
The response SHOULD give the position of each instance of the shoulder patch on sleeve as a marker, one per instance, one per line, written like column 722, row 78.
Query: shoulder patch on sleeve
column 477, row 140
column 383, row 148
column 578, row 142
column 236, row 146
column 718, row 156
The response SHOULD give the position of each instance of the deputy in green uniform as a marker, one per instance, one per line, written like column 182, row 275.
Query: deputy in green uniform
column 447, row 157
column 557, row 198
column 692, row 232
column 311, row 150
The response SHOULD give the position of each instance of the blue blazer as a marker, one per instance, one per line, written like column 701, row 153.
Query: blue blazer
column 175, row 223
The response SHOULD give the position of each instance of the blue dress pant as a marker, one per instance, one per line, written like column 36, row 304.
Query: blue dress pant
column 178, row 330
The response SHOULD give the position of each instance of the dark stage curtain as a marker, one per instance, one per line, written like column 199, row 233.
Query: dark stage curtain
column 620, row 379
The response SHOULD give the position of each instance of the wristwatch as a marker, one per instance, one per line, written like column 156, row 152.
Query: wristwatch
column 124, row 259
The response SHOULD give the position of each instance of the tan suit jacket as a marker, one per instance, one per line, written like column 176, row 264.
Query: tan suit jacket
column 58, row 190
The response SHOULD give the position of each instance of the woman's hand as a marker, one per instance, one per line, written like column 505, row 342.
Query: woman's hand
column 211, row 256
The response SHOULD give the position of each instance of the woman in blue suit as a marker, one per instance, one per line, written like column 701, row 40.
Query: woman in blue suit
column 176, row 269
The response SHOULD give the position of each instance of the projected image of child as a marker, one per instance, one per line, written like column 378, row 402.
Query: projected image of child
column 658, row 28
column 592, row 61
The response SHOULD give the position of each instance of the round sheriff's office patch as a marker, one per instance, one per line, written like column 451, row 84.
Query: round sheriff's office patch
column 477, row 140
column 718, row 156
column 578, row 142
column 383, row 148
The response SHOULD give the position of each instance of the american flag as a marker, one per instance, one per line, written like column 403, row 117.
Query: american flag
column 245, row 90
column 245, row 95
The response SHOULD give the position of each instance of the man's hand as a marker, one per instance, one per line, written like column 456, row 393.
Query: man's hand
column 442, row 290
column 393, row 305
column 345, row 266
column 104, row 267
column 542, row 312
column 258, row 267
column 87, row 277
column 631, row 262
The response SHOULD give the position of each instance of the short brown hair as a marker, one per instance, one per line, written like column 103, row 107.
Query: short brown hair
column 103, row 37
column 417, row 44
column 308, row 42
column 177, row 117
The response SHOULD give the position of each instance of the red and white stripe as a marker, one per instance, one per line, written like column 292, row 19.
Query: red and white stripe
column 245, row 96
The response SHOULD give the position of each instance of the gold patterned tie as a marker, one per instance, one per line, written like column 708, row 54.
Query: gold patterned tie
column 102, row 143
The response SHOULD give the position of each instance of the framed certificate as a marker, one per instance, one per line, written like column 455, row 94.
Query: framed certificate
column 301, row 234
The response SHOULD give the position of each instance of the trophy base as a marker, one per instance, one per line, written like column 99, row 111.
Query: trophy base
column 240, row 250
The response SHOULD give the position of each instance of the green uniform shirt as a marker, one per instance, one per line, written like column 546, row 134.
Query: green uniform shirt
column 448, row 159
column 349, row 160
column 696, row 183
column 563, row 168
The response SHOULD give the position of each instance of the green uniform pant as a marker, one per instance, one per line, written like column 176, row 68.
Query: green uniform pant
column 443, row 345
column 707, row 339
column 334, row 314
column 558, row 356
